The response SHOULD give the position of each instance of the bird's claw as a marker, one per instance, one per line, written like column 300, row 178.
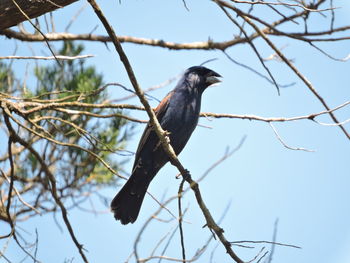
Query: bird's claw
column 166, row 136
column 186, row 175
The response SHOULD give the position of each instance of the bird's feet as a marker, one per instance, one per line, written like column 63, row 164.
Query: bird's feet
column 186, row 175
column 166, row 135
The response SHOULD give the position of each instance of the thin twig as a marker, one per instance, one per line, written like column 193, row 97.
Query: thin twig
column 260, row 2
column 38, row 29
column 265, row 242
column 274, row 119
column 182, row 239
column 168, row 243
column 257, row 255
column 273, row 245
column 250, row 42
column 296, row 71
column 256, row 72
column 19, row 195
column 58, row 57
column 285, row 145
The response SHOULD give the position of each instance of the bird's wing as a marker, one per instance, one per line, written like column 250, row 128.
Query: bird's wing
column 159, row 111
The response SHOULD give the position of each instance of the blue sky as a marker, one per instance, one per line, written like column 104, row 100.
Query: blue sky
column 307, row 191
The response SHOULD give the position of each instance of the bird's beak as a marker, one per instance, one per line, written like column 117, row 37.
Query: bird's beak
column 213, row 78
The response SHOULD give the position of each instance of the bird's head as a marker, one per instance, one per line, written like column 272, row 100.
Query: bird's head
column 201, row 77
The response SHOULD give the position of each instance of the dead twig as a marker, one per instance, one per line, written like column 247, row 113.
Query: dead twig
column 58, row 57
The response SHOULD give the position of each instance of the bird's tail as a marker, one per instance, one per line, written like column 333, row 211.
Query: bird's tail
column 127, row 203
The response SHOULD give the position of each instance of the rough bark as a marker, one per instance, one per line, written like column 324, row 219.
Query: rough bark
column 11, row 15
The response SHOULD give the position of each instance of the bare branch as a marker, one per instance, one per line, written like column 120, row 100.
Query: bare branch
column 38, row 29
column 259, row 2
column 256, row 72
column 48, row 58
column 246, row 17
column 265, row 242
column 19, row 195
column 253, row 47
column 13, row 16
column 274, row 119
column 52, row 180
column 182, row 239
column 8, row 113
column 285, row 145
column 201, row 45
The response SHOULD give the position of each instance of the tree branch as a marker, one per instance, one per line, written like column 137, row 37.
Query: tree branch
column 12, row 15
column 204, row 45
column 284, row 59
column 48, row 58
column 52, row 180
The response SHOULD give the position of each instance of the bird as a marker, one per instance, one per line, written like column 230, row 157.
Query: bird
column 178, row 115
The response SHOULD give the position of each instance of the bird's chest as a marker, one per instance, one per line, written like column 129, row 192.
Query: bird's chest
column 181, row 119
column 183, row 116
column 186, row 111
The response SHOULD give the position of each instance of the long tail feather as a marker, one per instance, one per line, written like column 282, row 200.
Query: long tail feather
column 127, row 203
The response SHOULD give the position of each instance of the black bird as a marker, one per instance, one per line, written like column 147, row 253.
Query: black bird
column 178, row 114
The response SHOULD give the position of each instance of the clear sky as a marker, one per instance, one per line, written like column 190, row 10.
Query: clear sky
column 308, row 192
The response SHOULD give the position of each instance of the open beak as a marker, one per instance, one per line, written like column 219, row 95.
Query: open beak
column 213, row 78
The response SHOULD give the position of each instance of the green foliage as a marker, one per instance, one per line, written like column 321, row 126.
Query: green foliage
column 70, row 81
column 6, row 77
column 71, row 77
